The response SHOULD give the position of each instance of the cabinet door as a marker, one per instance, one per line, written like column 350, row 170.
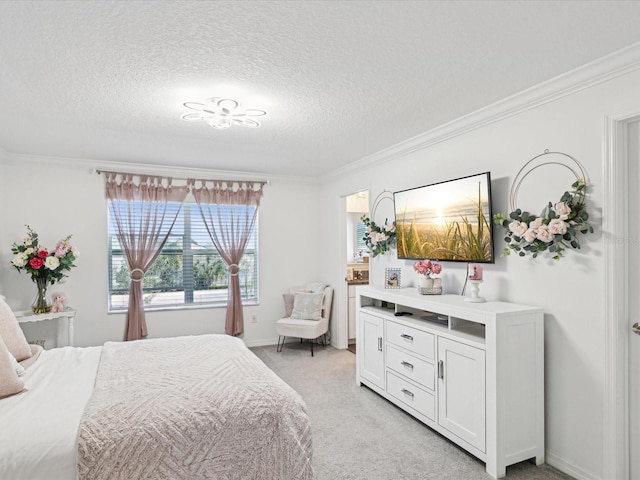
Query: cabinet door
column 461, row 391
column 370, row 348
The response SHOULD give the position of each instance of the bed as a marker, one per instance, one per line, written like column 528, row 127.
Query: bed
column 180, row 408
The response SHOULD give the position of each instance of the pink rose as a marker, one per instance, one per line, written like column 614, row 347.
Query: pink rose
column 544, row 234
column 518, row 228
column 43, row 254
column 437, row 268
column 557, row 226
column 537, row 223
column 36, row 263
column 530, row 235
column 562, row 210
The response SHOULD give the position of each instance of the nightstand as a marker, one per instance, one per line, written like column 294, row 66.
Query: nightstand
column 68, row 315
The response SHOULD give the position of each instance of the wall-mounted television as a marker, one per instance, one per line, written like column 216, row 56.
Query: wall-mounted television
column 450, row 221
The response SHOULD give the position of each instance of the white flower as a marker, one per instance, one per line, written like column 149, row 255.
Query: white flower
column 28, row 251
column 51, row 262
column 20, row 260
column 562, row 210
column 75, row 251
column 558, row 226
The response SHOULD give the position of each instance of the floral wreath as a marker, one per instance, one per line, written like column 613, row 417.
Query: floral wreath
column 379, row 239
column 555, row 229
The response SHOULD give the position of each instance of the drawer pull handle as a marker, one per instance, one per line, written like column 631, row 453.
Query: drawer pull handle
column 407, row 364
column 407, row 392
column 407, row 337
column 441, row 369
column 379, row 344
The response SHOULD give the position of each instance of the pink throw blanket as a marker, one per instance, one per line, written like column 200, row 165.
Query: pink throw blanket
column 192, row 408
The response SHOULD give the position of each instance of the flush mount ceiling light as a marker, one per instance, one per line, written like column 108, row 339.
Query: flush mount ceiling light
column 221, row 113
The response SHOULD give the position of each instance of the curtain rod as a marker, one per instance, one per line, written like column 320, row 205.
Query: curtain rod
column 263, row 182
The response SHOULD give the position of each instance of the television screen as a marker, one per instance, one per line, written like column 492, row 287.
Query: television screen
column 446, row 221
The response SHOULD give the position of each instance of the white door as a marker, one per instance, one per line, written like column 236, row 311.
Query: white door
column 370, row 354
column 461, row 391
column 633, row 149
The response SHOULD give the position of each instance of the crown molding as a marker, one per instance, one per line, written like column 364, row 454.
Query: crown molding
column 92, row 166
column 601, row 70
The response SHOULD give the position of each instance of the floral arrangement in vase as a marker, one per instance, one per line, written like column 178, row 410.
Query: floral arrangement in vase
column 379, row 239
column 45, row 266
column 425, row 268
column 554, row 230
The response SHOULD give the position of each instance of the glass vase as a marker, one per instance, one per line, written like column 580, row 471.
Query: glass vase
column 41, row 303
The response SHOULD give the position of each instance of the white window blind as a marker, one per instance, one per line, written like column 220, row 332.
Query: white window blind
column 189, row 271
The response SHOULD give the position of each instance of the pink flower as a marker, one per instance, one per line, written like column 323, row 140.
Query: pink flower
column 530, row 235
column 36, row 263
column 557, row 226
column 42, row 253
column 437, row 268
column 562, row 210
column 518, row 228
column 544, row 234
column 536, row 223
column 426, row 267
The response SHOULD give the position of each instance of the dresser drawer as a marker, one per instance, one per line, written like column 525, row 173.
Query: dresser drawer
column 411, row 338
column 411, row 367
column 413, row 397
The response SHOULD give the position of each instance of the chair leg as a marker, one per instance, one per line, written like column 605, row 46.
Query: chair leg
column 311, row 341
column 280, row 345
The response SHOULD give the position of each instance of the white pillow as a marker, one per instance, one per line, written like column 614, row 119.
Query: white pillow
column 12, row 334
column 307, row 306
column 20, row 370
column 10, row 383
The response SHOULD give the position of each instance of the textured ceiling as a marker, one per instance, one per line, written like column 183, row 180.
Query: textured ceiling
column 105, row 80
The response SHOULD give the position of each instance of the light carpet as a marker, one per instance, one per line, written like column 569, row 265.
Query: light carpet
column 357, row 434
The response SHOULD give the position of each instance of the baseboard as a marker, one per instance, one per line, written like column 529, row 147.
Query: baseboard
column 261, row 342
column 568, row 467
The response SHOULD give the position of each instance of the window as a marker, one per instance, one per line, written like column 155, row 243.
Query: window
column 189, row 271
column 361, row 231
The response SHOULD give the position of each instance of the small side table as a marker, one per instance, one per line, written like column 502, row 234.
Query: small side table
column 68, row 314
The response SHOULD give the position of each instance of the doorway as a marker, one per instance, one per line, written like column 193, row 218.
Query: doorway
column 357, row 255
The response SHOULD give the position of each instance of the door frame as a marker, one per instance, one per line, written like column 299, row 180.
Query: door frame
column 615, row 215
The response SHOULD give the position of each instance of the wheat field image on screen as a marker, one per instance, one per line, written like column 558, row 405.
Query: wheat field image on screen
column 448, row 221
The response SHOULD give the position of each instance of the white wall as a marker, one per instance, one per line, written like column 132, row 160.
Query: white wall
column 570, row 291
column 58, row 197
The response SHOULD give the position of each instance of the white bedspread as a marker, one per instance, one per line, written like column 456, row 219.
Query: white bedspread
column 39, row 428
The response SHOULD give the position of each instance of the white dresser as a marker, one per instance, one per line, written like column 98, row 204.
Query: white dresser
column 473, row 372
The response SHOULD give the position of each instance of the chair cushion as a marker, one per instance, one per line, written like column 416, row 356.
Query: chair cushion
column 292, row 327
column 307, row 306
column 288, row 303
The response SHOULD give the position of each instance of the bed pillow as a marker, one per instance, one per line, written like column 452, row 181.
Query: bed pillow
column 12, row 334
column 10, row 383
column 20, row 370
column 288, row 303
column 307, row 306
column 35, row 353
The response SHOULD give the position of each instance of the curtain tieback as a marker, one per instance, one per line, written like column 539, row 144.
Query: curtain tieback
column 236, row 268
column 139, row 279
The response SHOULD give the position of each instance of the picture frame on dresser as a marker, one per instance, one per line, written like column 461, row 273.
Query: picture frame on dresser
column 393, row 278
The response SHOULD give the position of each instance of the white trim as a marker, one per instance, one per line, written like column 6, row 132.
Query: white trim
column 615, row 215
column 150, row 169
column 601, row 70
column 569, row 468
